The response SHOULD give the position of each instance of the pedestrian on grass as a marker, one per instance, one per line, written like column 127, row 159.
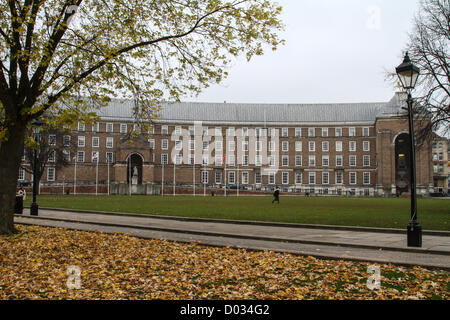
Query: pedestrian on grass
column 276, row 196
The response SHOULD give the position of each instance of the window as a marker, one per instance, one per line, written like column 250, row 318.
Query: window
column 245, row 132
column 205, row 145
column 366, row 145
column 204, row 177
column 338, row 146
column 205, row 131
column 352, row 146
column 51, row 174
column 324, row 132
column 178, row 159
column 272, row 132
column 285, row 161
column 258, row 160
column 218, row 131
column 191, row 130
column 366, row 177
column 298, row 132
column 365, row 132
column 164, row 158
column 312, row 161
column 311, row 132
column 325, row 177
column 218, row 145
column 51, row 156
column 298, row 178
column 66, row 155
column 245, row 160
column 285, row 178
column 218, row 177
column 205, row 160
column 178, row 130
column 284, row 146
column 231, row 177
column 272, row 161
column 271, row 178
column 164, row 130
column 325, row 161
column 178, row 145
column 257, row 132
column 298, row 146
column 81, row 141
column 312, row 178
column 123, row 128
column 109, row 157
column 52, row 140
column 284, row 132
column 151, row 143
column 258, row 146
column 96, row 127
column 231, row 146
column 366, row 161
column 109, row 127
column 164, row 144
column 109, row 142
column 231, row 160
column 298, row 160
column 352, row 177
column 192, row 145
column 218, row 160
column 312, row 146
column 339, row 177
column 231, row 132
column 352, row 161
column 244, row 177
column 244, row 145
column 272, row 146
column 258, row 177
column 339, row 161
column 66, row 141
column 95, row 142
column 80, row 156
column 81, row 126
column 325, row 146
column 95, row 156
column 338, row 132
column 21, row 174
column 351, row 132
column 191, row 158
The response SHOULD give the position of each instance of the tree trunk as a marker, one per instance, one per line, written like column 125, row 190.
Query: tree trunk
column 11, row 152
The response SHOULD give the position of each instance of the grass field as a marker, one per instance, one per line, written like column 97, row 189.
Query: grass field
column 433, row 214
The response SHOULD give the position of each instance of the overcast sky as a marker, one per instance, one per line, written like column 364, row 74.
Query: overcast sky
column 336, row 51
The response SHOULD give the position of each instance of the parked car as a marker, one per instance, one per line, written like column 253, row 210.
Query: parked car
column 24, row 183
column 236, row 186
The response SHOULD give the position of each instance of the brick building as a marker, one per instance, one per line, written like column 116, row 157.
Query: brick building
column 336, row 149
column 440, row 159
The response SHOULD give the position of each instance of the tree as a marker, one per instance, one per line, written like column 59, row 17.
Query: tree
column 67, row 58
column 52, row 146
column 428, row 48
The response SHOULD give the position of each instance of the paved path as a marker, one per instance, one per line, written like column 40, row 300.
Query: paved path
column 360, row 244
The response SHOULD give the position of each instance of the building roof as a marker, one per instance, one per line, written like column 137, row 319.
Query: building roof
column 236, row 113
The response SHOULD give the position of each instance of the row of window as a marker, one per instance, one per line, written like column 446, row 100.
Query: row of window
column 95, row 142
column 218, row 145
column 230, row 160
column 298, row 178
column 232, row 131
column 437, row 156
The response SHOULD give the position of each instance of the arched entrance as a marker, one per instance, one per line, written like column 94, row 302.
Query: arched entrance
column 402, row 171
column 134, row 169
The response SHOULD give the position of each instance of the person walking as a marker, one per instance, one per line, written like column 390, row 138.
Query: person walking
column 276, row 196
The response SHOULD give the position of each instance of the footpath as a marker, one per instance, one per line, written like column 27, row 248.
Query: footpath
column 331, row 242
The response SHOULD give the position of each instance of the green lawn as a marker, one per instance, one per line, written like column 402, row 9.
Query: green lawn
column 433, row 214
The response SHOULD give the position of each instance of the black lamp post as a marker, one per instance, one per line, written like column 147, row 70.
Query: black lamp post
column 408, row 73
column 34, row 209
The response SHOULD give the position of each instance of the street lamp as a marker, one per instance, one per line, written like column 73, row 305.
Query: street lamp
column 408, row 73
column 34, row 209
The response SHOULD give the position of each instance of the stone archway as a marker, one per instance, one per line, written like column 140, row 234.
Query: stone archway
column 134, row 169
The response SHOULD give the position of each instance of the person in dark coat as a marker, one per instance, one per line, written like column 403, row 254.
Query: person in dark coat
column 276, row 196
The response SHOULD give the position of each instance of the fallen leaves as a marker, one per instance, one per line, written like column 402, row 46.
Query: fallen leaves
column 34, row 264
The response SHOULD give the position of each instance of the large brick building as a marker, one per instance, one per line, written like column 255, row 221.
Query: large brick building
column 343, row 149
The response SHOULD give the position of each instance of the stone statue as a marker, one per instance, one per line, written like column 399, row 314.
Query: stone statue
column 134, row 178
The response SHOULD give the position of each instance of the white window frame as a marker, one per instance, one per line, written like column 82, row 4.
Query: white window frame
column 51, row 174
column 109, row 142
column 123, row 128
column 81, row 141
column 109, row 127
column 285, row 177
column 95, row 142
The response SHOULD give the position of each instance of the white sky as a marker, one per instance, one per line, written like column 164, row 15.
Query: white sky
column 336, row 51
